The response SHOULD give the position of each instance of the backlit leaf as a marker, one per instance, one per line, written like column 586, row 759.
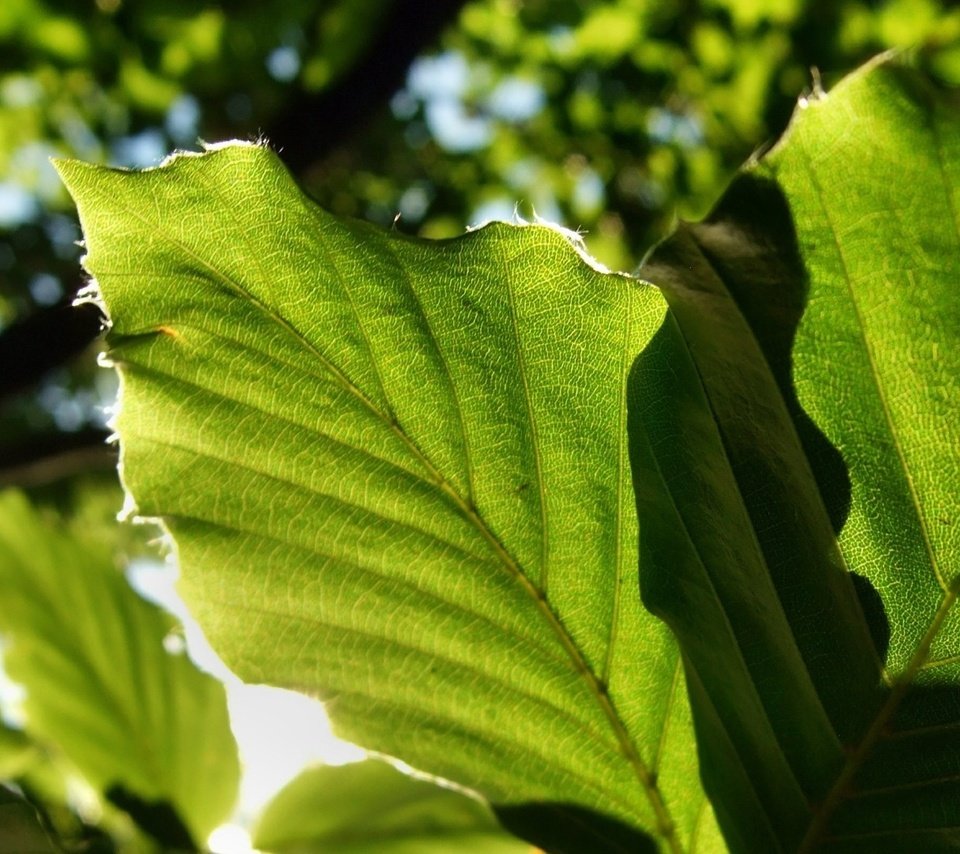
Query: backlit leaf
column 397, row 475
column 372, row 808
column 101, row 687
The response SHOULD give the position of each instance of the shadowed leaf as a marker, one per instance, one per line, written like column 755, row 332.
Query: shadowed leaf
column 806, row 389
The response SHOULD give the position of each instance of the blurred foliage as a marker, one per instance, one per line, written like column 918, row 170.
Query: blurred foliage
column 126, row 83
column 372, row 808
column 111, row 702
column 82, row 78
column 611, row 117
column 20, row 828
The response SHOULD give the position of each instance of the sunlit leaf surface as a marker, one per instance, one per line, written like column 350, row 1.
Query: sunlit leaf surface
column 398, row 478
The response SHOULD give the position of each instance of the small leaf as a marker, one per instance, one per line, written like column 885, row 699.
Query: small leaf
column 370, row 807
column 100, row 685
column 20, row 828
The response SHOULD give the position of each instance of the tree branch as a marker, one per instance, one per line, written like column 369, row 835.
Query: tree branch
column 43, row 459
column 316, row 123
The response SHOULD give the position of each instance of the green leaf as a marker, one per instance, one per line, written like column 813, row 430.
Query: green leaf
column 100, row 685
column 370, row 807
column 18, row 753
column 397, row 475
column 805, row 391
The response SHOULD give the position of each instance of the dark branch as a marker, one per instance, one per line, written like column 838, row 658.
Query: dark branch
column 43, row 459
column 316, row 123
column 45, row 340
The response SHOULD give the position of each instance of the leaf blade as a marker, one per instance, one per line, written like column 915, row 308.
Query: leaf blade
column 765, row 321
column 404, row 395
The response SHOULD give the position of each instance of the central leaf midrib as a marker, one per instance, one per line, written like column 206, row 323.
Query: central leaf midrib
column 601, row 796
column 451, row 713
column 458, row 406
column 547, row 653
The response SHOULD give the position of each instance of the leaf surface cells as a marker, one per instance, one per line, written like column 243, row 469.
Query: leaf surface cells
column 139, row 723
column 799, row 412
column 401, row 476
column 397, row 475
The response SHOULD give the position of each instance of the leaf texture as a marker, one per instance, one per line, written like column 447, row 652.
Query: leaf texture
column 799, row 410
column 397, row 475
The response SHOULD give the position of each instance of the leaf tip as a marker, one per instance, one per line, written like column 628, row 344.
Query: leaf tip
column 69, row 169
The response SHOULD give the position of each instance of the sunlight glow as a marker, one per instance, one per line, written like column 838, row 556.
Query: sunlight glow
column 279, row 732
column 230, row 839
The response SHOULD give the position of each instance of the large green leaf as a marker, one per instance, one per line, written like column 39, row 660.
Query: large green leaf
column 141, row 724
column 397, row 475
column 372, row 808
column 806, row 385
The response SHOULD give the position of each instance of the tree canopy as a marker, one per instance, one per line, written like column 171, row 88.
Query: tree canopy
column 609, row 117
column 618, row 121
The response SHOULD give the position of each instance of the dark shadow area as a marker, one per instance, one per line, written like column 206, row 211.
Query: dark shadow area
column 158, row 819
column 746, row 253
column 874, row 613
column 72, row 836
column 569, row 829
column 770, row 287
column 737, row 288
column 39, row 342
column 828, row 469
column 717, row 429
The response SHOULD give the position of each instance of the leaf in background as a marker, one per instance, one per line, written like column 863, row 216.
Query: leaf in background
column 100, row 685
column 18, row 753
column 370, row 807
column 43, row 779
column 20, row 828
column 806, row 386
column 396, row 472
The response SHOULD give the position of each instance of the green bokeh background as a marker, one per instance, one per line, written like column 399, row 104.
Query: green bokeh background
column 613, row 118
